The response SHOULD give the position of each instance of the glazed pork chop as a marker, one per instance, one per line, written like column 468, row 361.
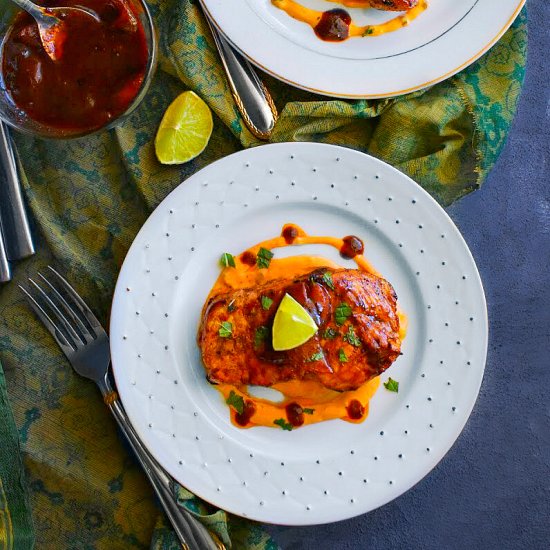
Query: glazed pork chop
column 358, row 336
column 387, row 5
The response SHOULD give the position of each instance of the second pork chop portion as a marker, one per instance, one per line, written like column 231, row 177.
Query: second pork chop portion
column 385, row 5
column 358, row 335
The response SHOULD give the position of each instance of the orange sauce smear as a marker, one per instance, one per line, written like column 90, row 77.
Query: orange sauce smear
column 351, row 406
column 313, row 17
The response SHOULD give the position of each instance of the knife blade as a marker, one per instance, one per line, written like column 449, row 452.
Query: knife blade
column 15, row 223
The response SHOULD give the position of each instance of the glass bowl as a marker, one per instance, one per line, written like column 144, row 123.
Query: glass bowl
column 15, row 117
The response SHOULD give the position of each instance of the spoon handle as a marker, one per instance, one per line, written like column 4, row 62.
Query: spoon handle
column 30, row 7
column 249, row 93
column 15, row 223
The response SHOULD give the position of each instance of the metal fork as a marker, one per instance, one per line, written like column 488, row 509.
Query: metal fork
column 86, row 345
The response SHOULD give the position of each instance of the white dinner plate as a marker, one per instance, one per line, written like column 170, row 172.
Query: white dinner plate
column 446, row 38
column 331, row 470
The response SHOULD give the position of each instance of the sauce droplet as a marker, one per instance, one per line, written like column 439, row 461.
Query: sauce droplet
column 295, row 414
column 352, row 247
column 289, row 234
column 249, row 409
column 333, row 25
column 355, row 409
column 248, row 258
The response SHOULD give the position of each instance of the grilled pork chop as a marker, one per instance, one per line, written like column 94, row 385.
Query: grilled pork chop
column 388, row 5
column 358, row 335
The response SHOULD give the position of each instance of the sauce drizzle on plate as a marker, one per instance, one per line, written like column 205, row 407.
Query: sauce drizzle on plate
column 304, row 401
column 336, row 25
column 333, row 25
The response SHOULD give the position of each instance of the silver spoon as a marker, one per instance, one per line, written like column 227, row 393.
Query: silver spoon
column 251, row 96
column 50, row 24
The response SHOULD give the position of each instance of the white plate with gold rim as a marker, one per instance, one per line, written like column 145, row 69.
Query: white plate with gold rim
column 332, row 470
column 446, row 38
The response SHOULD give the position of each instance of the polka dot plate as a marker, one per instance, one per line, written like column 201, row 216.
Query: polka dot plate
column 332, row 470
column 446, row 38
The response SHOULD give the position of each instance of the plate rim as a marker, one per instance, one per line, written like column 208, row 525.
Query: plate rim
column 436, row 458
column 366, row 95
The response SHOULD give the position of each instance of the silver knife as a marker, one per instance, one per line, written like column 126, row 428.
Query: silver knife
column 15, row 223
column 249, row 93
column 5, row 271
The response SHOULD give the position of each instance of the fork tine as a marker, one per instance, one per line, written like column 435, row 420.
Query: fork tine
column 66, row 325
column 83, row 308
column 55, row 331
column 84, row 331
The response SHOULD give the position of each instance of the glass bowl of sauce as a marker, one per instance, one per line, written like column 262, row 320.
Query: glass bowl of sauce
column 103, row 74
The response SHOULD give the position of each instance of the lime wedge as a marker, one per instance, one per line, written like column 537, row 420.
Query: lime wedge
column 185, row 129
column 292, row 326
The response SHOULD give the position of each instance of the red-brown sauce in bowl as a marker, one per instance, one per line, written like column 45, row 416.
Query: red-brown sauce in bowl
column 98, row 75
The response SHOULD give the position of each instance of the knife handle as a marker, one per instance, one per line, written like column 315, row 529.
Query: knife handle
column 5, row 271
column 15, row 224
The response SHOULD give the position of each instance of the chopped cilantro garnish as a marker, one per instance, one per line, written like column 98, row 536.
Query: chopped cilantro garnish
column 327, row 279
column 236, row 401
column 284, row 425
column 342, row 312
column 392, row 385
column 226, row 329
column 263, row 259
column 231, row 306
column 227, row 260
column 351, row 338
column 368, row 30
column 308, row 411
column 260, row 335
column 266, row 302
column 317, row 356
column 330, row 333
column 343, row 358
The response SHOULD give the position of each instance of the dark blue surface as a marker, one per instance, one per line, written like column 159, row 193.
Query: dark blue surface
column 492, row 490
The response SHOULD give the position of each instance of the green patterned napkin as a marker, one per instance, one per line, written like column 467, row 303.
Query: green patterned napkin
column 15, row 517
column 89, row 198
